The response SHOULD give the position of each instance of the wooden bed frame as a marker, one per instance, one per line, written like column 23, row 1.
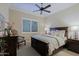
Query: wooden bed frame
column 42, row 47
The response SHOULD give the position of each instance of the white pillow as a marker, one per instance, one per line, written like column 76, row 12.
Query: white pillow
column 59, row 33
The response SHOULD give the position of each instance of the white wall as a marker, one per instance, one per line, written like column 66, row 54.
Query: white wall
column 70, row 16
column 67, row 17
column 53, row 21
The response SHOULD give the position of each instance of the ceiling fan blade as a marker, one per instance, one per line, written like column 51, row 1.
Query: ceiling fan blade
column 47, row 6
column 38, row 6
column 41, row 4
column 47, row 11
column 36, row 10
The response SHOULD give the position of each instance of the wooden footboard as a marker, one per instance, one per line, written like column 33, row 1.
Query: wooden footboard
column 39, row 46
column 42, row 48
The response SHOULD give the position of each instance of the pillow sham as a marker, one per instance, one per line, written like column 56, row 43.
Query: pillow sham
column 58, row 33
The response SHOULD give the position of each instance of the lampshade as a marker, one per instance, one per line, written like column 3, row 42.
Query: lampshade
column 74, row 28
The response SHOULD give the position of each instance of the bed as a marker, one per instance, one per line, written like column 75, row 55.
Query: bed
column 48, row 45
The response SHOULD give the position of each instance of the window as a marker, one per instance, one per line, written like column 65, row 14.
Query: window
column 34, row 26
column 26, row 26
column 30, row 26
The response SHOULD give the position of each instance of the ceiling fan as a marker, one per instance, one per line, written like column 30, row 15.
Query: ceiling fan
column 41, row 8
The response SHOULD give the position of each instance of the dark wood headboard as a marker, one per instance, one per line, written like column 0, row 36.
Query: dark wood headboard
column 61, row 28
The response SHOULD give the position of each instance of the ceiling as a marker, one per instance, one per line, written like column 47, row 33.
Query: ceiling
column 30, row 7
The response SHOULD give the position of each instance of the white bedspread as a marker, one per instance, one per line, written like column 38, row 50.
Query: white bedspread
column 60, row 40
column 51, row 40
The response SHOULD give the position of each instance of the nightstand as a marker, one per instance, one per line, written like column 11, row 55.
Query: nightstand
column 72, row 45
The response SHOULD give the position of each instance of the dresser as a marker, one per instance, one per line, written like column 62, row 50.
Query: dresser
column 72, row 45
column 9, row 45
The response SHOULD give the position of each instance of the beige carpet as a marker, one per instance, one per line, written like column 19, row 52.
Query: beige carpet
column 66, row 52
column 29, row 51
